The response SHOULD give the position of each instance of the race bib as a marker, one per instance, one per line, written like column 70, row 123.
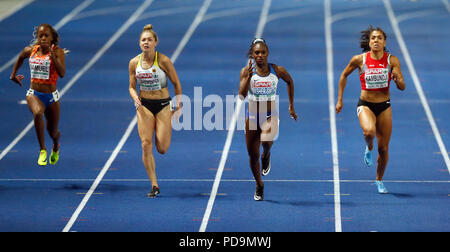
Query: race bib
column 40, row 68
column 263, row 90
column 377, row 78
column 148, row 81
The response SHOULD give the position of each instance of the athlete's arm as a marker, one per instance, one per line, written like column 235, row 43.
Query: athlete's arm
column 132, row 87
column 244, row 77
column 397, row 73
column 169, row 69
column 283, row 74
column 26, row 52
column 59, row 59
column 354, row 63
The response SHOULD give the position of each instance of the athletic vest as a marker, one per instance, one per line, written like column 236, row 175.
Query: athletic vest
column 376, row 74
column 263, row 88
column 42, row 68
column 151, row 79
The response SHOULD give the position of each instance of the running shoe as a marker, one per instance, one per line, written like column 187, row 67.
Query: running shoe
column 368, row 157
column 259, row 193
column 265, row 162
column 42, row 158
column 54, row 156
column 153, row 193
column 380, row 186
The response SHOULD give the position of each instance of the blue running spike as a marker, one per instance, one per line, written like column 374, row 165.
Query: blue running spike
column 380, row 186
column 368, row 157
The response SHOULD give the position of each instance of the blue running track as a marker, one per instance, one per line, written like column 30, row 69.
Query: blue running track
column 318, row 181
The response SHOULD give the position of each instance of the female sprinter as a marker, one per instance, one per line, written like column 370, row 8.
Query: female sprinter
column 261, row 124
column 47, row 62
column 154, row 113
column 376, row 69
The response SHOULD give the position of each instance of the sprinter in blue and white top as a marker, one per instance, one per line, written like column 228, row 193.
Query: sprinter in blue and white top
column 260, row 82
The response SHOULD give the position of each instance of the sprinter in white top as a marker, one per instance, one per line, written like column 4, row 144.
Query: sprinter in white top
column 154, row 114
column 260, row 82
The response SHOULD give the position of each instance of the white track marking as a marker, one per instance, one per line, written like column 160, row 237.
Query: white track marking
column 416, row 81
column 116, row 151
column 124, row 138
column 331, row 104
column 226, row 148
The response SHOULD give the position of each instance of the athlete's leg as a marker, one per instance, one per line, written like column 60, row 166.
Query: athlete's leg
column 269, row 131
column 52, row 114
column 367, row 120
column 252, row 139
column 37, row 108
column 384, row 130
column 163, row 131
column 146, row 128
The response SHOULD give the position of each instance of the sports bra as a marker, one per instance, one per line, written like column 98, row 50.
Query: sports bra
column 42, row 68
column 263, row 88
column 151, row 79
column 376, row 74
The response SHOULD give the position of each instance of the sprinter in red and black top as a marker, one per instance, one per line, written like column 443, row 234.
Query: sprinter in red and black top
column 376, row 69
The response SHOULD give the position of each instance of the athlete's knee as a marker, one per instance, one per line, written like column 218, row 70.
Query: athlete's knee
column 254, row 157
column 266, row 144
column 38, row 113
column 383, row 150
column 369, row 132
column 162, row 148
column 147, row 145
column 54, row 133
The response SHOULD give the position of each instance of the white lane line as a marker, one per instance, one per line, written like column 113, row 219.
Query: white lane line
column 223, row 180
column 447, row 5
column 331, row 104
column 194, row 25
column 100, row 175
column 105, row 168
column 416, row 81
column 14, row 9
column 226, row 148
column 57, row 26
column 124, row 138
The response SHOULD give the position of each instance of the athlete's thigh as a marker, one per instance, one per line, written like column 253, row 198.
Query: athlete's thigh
column 52, row 114
column 384, row 126
column 35, row 105
column 269, row 129
column 252, row 138
column 164, row 125
column 367, row 118
column 146, row 123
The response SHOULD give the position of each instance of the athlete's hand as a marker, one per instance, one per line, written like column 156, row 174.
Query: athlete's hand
column 339, row 106
column 17, row 79
column 137, row 102
column 53, row 53
column 250, row 68
column 177, row 110
column 292, row 113
column 395, row 77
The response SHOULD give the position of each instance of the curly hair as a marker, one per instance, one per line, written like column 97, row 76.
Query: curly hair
column 365, row 37
column 252, row 45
